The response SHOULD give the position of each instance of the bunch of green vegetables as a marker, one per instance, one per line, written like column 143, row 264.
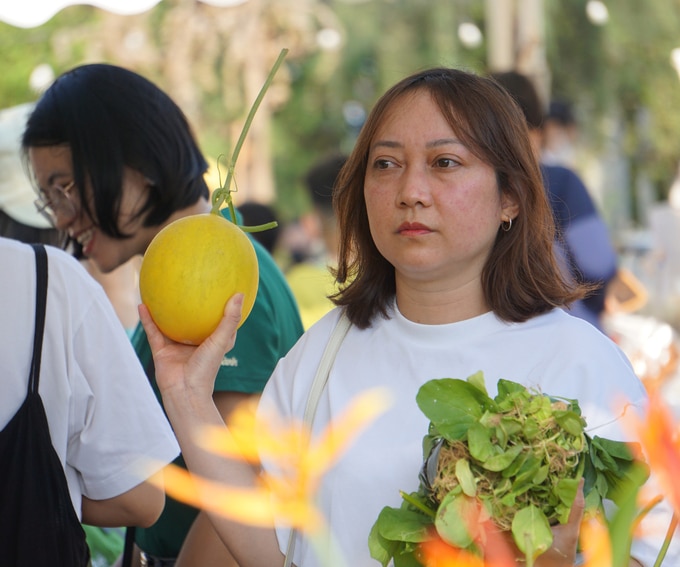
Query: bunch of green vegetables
column 518, row 458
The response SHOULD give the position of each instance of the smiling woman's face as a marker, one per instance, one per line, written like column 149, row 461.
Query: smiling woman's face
column 434, row 208
column 52, row 167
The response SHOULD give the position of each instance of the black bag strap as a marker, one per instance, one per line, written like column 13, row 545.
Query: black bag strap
column 129, row 546
column 40, row 306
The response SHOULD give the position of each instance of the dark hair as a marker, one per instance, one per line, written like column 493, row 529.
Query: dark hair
column 521, row 277
column 561, row 112
column 321, row 178
column 523, row 91
column 12, row 228
column 111, row 118
column 254, row 214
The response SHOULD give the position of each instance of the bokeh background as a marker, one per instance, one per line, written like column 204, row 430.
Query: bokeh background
column 614, row 61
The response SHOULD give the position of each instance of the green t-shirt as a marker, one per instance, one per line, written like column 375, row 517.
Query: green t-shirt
column 268, row 333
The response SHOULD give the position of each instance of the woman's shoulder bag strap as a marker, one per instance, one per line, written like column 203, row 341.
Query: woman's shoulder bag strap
column 320, row 379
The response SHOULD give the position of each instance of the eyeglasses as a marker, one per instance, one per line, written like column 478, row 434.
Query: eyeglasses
column 55, row 201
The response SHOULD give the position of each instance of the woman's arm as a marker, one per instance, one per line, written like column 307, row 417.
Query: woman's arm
column 202, row 544
column 139, row 506
column 185, row 376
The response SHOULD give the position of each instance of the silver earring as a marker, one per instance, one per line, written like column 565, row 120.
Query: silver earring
column 506, row 225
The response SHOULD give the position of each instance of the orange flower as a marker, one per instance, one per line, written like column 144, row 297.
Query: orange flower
column 437, row 553
column 496, row 546
column 595, row 541
column 298, row 464
column 658, row 436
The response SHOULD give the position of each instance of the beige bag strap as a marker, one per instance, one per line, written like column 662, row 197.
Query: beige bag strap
column 320, row 379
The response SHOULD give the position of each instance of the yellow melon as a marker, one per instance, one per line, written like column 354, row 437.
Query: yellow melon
column 191, row 269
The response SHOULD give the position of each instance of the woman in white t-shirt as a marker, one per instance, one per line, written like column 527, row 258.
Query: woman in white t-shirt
column 446, row 258
column 106, row 425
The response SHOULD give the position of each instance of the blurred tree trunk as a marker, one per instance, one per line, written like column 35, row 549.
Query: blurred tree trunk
column 213, row 62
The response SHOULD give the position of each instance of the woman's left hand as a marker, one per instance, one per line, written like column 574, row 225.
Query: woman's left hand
column 562, row 552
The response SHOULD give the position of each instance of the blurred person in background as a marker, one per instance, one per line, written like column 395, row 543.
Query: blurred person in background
column 116, row 161
column 254, row 214
column 311, row 277
column 560, row 131
column 583, row 241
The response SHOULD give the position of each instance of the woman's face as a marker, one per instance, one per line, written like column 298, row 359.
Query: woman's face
column 434, row 208
column 52, row 166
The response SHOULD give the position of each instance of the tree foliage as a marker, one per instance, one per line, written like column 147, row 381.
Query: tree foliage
column 213, row 60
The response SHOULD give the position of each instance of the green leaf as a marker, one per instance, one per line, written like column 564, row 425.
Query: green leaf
column 531, row 531
column 503, row 460
column 479, row 442
column 381, row 549
column 541, row 475
column 540, row 407
column 477, row 380
column 406, row 557
column 510, row 425
column 531, row 429
column 566, row 489
column 570, row 421
column 457, row 520
column 617, row 449
column 518, row 464
column 398, row 524
column 465, row 477
column 507, row 388
column 452, row 405
column 509, row 499
column 626, row 512
column 528, row 470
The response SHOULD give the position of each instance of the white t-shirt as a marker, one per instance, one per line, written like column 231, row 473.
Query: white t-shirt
column 105, row 423
column 555, row 353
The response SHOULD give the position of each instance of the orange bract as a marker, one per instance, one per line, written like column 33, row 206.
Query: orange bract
column 191, row 269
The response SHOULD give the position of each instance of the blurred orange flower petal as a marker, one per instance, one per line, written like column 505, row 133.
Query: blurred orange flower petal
column 287, row 495
column 438, row 553
column 325, row 450
column 595, row 541
column 658, row 435
column 494, row 544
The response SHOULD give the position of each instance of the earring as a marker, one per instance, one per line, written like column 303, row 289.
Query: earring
column 506, row 225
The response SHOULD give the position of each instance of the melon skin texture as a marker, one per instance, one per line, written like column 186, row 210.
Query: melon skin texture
column 191, row 268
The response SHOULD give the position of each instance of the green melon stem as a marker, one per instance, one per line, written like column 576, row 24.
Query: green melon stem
column 223, row 194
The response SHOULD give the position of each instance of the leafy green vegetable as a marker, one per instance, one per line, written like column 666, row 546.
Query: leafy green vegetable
column 516, row 459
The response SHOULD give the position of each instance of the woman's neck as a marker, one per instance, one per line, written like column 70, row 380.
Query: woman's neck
column 438, row 307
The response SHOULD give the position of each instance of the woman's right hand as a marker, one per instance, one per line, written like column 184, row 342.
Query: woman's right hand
column 186, row 369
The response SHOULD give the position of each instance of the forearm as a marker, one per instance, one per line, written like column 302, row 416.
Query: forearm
column 189, row 415
column 139, row 506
